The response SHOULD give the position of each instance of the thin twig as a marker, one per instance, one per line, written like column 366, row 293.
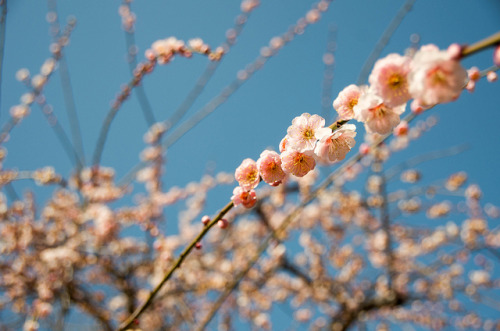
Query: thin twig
column 175, row 266
column 207, row 74
column 383, row 41
column 483, row 44
column 69, row 99
column 329, row 61
column 410, row 163
column 146, row 108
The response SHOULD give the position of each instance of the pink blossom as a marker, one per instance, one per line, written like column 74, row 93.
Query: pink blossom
column 364, row 148
column 496, row 56
column 246, row 198
column 305, row 131
column 454, row 51
column 297, row 163
column 474, row 73
column 269, row 165
column 334, row 147
column 247, row 174
column 346, row 100
column 283, row 144
column 377, row 116
column 491, row 76
column 435, row 77
column 401, row 129
column 389, row 79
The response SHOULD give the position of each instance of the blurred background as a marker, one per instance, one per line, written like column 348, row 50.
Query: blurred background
column 258, row 113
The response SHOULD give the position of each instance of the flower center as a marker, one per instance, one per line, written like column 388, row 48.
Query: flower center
column 308, row 134
column 438, row 76
column 395, row 81
column 353, row 102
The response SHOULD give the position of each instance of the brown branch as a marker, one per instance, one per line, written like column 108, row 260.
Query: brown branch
column 346, row 316
column 175, row 266
column 83, row 299
column 490, row 41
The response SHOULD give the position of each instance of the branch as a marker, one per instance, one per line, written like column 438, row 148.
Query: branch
column 207, row 74
column 383, row 41
column 69, row 98
column 176, row 265
column 345, row 317
column 147, row 111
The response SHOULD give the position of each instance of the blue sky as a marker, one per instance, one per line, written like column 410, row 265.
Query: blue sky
column 258, row 114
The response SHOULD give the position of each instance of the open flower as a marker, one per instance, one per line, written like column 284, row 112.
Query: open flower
column 247, row 174
column 346, row 100
column 389, row 79
column 297, row 163
column 244, row 197
column 334, row 147
column 305, row 131
column 377, row 116
column 269, row 165
column 435, row 77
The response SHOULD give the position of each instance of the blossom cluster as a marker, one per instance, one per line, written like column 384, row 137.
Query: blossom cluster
column 429, row 77
column 307, row 143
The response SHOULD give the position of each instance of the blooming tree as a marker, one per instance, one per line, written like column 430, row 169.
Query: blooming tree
column 322, row 225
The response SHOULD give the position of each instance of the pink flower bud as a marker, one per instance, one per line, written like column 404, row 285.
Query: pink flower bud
column 205, row 220
column 492, row 76
column 222, row 223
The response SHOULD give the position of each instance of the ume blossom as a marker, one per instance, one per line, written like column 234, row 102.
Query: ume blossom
column 377, row 116
column 247, row 174
column 305, row 131
column 334, row 147
column 269, row 165
column 435, row 77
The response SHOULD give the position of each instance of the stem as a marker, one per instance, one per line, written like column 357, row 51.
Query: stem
column 69, row 98
column 206, row 75
column 146, row 109
column 128, row 322
column 490, row 41
column 383, row 41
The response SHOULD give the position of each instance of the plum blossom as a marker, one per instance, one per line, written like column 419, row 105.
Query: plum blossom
column 297, row 163
column 283, row 144
column 269, row 165
column 346, row 100
column 334, row 147
column 247, row 174
column 496, row 56
column 401, row 129
column 243, row 197
column 435, row 77
column 377, row 116
column 305, row 131
column 389, row 79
